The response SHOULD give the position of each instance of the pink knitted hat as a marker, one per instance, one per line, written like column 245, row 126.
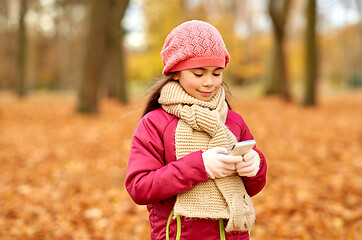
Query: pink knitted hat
column 193, row 44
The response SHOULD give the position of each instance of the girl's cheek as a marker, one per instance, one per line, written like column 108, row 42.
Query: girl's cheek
column 193, row 85
column 219, row 82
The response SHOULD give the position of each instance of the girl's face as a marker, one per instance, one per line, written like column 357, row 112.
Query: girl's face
column 200, row 83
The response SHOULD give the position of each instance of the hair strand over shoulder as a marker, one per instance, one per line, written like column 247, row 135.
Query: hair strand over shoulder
column 154, row 93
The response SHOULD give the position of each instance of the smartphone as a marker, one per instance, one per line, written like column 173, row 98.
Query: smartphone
column 240, row 148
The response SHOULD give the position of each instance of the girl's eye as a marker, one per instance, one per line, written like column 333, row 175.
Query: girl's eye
column 216, row 74
column 198, row 74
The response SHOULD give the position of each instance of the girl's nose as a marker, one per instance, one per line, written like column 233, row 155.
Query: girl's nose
column 208, row 81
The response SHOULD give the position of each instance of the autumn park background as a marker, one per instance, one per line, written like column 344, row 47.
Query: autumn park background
column 73, row 81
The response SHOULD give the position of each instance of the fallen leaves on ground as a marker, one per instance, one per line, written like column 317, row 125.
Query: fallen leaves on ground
column 62, row 173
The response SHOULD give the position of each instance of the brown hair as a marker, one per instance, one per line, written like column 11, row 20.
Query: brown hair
column 155, row 91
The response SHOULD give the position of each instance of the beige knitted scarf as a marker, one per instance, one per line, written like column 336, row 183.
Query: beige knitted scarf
column 201, row 127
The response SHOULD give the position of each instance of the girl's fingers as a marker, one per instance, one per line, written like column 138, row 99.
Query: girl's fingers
column 232, row 159
column 243, row 164
column 230, row 167
column 248, row 170
column 250, row 155
column 220, row 150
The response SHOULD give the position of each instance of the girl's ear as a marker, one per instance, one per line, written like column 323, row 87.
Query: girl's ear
column 176, row 76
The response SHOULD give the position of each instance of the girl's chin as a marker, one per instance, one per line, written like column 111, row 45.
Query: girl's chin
column 203, row 98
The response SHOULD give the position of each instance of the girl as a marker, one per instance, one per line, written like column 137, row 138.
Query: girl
column 179, row 164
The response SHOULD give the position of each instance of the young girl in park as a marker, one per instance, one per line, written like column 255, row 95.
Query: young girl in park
column 179, row 164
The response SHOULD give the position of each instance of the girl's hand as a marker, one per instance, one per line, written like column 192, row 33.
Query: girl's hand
column 249, row 166
column 218, row 164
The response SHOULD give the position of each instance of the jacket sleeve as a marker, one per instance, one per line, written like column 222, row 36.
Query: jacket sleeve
column 254, row 184
column 150, row 178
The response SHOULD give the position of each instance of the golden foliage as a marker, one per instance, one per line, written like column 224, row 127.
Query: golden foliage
column 62, row 174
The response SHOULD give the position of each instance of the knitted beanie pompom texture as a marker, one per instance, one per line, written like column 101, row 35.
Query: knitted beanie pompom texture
column 193, row 44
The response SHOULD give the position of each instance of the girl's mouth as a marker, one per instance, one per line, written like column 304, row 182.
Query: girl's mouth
column 206, row 93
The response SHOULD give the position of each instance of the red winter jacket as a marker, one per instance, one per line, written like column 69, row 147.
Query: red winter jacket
column 154, row 177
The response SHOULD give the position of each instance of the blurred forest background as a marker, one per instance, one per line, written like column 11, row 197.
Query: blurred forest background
column 112, row 48
column 62, row 172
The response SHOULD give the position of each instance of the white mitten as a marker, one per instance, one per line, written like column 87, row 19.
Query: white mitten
column 249, row 166
column 218, row 164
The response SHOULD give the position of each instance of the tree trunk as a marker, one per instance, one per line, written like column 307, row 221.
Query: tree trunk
column 311, row 56
column 21, row 57
column 122, row 82
column 277, row 81
column 116, row 54
column 94, row 58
